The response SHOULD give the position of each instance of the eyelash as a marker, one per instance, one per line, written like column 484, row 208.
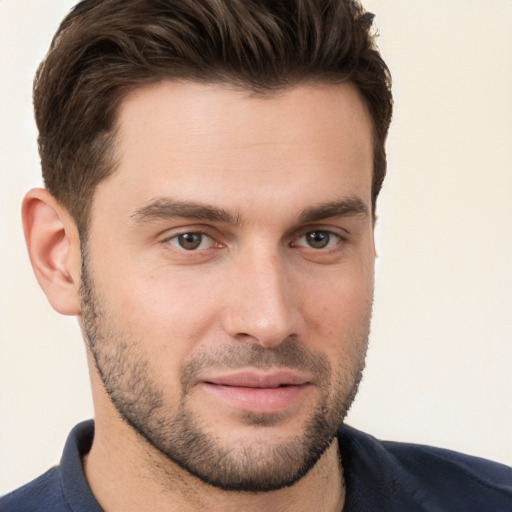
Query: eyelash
column 293, row 243
column 176, row 237
column 324, row 232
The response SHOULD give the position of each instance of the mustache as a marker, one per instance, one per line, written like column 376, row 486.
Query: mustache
column 290, row 354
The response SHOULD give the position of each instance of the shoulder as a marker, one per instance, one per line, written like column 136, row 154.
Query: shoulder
column 63, row 488
column 42, row 494
column 437, row 462
column 423, row 477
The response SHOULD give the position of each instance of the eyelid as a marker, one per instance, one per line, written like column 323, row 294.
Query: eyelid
column 339, row 231
column 172, row 234
column 327, row 225
column 175, row 231
column 330, row 232
column 203, row 235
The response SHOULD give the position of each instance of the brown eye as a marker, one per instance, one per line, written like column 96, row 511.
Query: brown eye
column 318, row 239
column 191, row 241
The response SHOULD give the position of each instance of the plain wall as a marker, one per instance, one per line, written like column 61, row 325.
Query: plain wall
column 439, row 370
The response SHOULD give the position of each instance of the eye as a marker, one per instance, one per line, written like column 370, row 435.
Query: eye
column 318, row 239
column 191, row 241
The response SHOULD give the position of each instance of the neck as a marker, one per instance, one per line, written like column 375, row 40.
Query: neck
column 133, row 476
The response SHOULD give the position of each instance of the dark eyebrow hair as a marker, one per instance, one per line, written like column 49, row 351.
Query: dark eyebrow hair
column 342, row 208
column 161, row 208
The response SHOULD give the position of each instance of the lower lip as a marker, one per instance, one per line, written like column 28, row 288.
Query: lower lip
column 258, row 400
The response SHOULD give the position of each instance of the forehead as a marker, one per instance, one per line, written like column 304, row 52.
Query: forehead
column 227, row 146
column 218, row 112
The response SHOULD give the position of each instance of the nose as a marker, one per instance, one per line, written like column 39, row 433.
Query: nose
column 261, row 306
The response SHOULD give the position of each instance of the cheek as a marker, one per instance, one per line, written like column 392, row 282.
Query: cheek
column 169, row 313
column 341, row 306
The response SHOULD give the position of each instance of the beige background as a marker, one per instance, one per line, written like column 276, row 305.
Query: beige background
column 439, row 370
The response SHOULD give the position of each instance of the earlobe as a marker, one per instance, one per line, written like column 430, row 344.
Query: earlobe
column 54, row 249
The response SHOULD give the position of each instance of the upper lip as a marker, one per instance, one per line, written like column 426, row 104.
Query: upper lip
column 259, row 379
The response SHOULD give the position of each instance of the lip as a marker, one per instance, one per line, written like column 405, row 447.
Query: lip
column 258, row 392
column 259, row 379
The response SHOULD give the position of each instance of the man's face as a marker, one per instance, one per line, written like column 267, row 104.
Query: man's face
column 228, row 275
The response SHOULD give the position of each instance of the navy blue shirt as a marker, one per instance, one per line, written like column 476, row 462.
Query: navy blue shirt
column 380, row 476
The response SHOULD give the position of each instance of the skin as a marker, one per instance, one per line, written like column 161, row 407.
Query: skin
column 258, row 283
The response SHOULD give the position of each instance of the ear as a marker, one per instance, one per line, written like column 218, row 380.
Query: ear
column 54, row 249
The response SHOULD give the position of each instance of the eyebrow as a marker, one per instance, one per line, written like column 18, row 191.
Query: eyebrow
column 164, row 208
column 349, row 207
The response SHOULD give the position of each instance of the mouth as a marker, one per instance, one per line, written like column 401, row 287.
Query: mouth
column 257, row 391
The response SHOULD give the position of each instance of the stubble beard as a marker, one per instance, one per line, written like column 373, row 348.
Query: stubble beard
column 183, row 438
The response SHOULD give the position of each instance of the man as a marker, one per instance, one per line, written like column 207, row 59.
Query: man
column 211, row 175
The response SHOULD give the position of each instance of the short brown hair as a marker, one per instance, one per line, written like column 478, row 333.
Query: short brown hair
column 104, row 49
